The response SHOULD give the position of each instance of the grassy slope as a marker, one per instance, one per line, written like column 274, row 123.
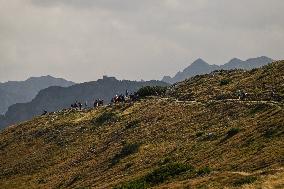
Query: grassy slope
column 76, row 149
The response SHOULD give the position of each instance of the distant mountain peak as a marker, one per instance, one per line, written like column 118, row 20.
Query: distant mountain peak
column 199, row 66
column 235, row 60
column 42, row 77
column 199, row 61
column 25, row 91
column 261, row 58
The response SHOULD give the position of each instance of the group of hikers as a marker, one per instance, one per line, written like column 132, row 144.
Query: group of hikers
column 241, row 94
column 272, row 95
column 116, row 99
column 78, row 105
column 125, row 98
column 98, row 102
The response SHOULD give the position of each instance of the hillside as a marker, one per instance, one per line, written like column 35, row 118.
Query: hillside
column 56, row 98
column 189, row 138
column 199, row 67
column 13, row 92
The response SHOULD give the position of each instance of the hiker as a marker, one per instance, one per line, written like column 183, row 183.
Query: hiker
column 116, row 98
column 275, row 96
column 126, row 93
column 75, row 105
column 101, row 102
column 95, row 103
column 122, row 98
column 242, row 95
column 86, row 104
column 80, row 105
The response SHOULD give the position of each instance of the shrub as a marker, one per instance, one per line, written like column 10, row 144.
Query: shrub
column 151, row 91
column 165, row 172
column 41, row 181
column 165, row 160
column 136, row 184
column 245, row 180
column 221, row 97
column 127, row 150
column 105, row 117
column 232, row 132
column 258, row 108
column 273, row 131
column 204, row 171
column 199, row 134
column 224, row 82
column 157, row 176
column 132, row 124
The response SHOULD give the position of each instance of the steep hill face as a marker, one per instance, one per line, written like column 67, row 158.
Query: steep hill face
column 56, row 98
column 175, row 141
column 200, row 67
column 13, row 92
column 257, row 83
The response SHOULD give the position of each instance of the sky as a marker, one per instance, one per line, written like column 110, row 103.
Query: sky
column 82, row 40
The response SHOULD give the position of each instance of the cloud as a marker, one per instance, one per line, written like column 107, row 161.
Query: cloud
column 83, row 39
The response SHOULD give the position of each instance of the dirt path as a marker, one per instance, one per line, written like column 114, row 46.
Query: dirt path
column 272, row 103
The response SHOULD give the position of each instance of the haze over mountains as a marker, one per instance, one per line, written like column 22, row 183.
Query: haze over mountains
column 201, row 67
column 13, row 92
column 56, row 98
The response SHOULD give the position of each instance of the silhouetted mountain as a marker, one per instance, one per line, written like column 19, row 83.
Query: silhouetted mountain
column 200, row 67
column 13, row 92
column 56, row 98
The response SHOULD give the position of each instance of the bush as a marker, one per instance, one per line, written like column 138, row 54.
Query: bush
column 259, row 108
column 199, row 134
column 232, row 132
column 137, row 184
column 245, row 180
column 204, row 171
column 105, row 117
column 157, row 176
column 151, row 91
column 132, row 124
column 224, row 82
column 165, row 172
column 127, row 150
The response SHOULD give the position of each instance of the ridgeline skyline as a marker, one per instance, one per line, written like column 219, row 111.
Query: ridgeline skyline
column 82, row 40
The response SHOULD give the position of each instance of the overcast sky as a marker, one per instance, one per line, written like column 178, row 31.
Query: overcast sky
column 81, row 40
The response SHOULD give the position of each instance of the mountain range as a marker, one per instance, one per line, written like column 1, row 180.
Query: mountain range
column 55, row 98
column 13, row 92
column 199, row 67
column 22, row 100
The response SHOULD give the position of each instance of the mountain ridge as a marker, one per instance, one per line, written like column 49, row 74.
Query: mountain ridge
column 200, row 66
column 55, row 98
column 24, row 91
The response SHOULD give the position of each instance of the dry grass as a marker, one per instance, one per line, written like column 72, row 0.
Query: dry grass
column 72, row 149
